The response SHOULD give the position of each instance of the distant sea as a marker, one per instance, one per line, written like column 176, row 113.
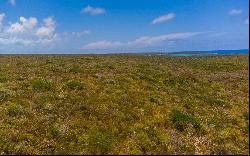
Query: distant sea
column 208, row 53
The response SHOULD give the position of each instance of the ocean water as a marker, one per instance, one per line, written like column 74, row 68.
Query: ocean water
column 189, row 54
column 214, row 52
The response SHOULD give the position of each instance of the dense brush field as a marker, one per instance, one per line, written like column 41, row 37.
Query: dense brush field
column 124, row 104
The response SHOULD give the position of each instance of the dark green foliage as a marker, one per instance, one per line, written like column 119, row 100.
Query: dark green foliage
column 181, row 120
column 3, row 79
column 54, row 132
column 41, row 84
column 75, row 69
column 102, row 141
column 246, row 115
column 246, row 129
column 14, row 110
column 156, row 99
column 4, row 94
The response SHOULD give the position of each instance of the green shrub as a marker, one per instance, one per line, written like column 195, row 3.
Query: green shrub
column 108, row 81
column 155, row 99
column 101, row 141
column 3, row 79
column 246, row 115
column 246, row 129
column 41, row 84
column 74, row 85
column 178, row 80
column 54, row 132
column 75, row 69
column 5, row 94
column 181, row 120
column 215, row 101
column 14, row 110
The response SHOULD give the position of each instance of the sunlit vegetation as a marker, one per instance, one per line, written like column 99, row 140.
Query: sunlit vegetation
column 124, row 104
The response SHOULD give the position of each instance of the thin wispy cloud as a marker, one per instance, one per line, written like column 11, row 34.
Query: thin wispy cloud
column 247, row 21
column 235, row 12
column 217, row 34
column 80, row 34
column 163, row 18
column 68, row 35
column 93, row 11
column 144, row 41
column 102, row 45
column 2, row 15
column 12, row 2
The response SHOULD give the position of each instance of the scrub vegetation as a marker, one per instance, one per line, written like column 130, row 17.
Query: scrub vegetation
column 124, row 104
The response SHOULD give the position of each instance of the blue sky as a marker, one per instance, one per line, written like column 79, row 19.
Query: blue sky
column 101, row 26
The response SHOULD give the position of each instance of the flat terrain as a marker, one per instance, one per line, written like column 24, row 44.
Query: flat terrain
column 123, row 104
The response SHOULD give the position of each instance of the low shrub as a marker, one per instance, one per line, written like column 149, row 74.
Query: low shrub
column 14, row 110
column 101, row 141
column 181, row 120
column 41, row 84
column 74, row 85
column 75, row 69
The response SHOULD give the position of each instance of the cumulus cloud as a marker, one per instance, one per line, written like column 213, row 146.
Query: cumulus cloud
column 163, row 18
column 139, row 42
column 235, row 12
column 93, row 11
column 24, row 25
column 27, row 32
column 48, row 28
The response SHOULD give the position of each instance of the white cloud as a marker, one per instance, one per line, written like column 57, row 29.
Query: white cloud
column 146, row 41
column 163, row 18
column 80, row 34
column 235, row 12
column 247, row 21
column 48, row 28
column 12, row 2
column 93, row 11
column 70, row 35
column 217, row 34
column 49, row 22
column 44, row 31
column 2, row 15
column 26, row 32
column 24, row 25
column 139, row 42
column 15, row 40
column 102, row 45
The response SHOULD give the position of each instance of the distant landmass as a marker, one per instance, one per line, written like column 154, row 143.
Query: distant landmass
column 239, row 51
column 202, row 53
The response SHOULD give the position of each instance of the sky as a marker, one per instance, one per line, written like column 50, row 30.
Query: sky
column 113, row 26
